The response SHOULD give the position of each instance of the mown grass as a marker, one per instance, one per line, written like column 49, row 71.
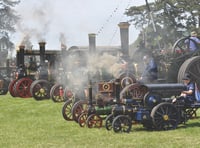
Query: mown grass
column 27, row 123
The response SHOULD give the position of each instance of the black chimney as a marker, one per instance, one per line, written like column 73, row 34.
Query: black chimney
column 124, row 35
column 20, row 55
column 92, row 42
column 117, row 90
column 42, row 52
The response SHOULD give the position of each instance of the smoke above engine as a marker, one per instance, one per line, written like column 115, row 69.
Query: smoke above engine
column 82, row 67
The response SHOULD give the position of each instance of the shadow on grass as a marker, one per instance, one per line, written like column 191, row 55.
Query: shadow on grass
column 192, row 123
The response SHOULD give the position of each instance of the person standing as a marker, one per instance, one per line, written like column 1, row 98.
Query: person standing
column 193, row 42
column 150, row 73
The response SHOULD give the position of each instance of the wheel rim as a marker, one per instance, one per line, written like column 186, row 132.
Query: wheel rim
column 108, row 122
column 68, row 94
column 78, row 108
column 126, row 78
column 11, row 88
column 66, row 110
column 134, row 91
column 57, row 93
column 40, row 90
column 191, row 66
column 82, row 119
column 121, row 124
column 180, row 47
column 164, row 116
column 94, row 121
column 22, row 87
column 4, row 87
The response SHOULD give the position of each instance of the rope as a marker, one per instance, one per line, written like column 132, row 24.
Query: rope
column 116, row 28
column 108, row 20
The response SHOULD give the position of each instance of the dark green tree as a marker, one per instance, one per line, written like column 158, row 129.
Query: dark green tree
column 165, row 21
column 8, row 19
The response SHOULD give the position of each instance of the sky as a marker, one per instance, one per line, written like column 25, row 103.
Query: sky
column 70, row 21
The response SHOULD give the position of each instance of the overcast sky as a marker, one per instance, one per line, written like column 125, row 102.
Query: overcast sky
column 47, row 19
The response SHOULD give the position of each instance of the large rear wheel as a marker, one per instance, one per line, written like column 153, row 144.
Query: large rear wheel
column 192, row 67
column 40, row 89
column 22, row 87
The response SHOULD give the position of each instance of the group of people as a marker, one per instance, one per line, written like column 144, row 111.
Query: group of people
column 150, row 73
column 188, row 95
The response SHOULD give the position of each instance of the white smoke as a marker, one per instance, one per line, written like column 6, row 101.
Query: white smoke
column 35, row 22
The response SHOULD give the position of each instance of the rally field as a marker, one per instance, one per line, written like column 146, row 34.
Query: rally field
column 27, row 123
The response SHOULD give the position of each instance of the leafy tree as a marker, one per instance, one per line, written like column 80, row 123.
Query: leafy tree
column 172, row 18
column 8, row 19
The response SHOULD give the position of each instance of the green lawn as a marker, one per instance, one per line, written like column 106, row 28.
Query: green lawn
column 27, row 123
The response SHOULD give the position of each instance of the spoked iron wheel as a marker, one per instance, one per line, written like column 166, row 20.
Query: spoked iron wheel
column 192, row 67
column 180, row 47
column 11, row 88
column 82, row 119
column 22, row 87
column 67, row 110
column 57, row 93
column 94, row 121
column 4, row 86
column 68, row 94
column 78, row 108
column 122, row 123
column 191, row 113
column 134, row 90
column 108, row 122
column 126, row 78
column 165, row 116
column 40, row 89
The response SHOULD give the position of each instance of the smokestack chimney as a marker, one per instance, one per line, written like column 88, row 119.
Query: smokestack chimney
column 92, row 42
column 42, row 52
column 117, row 90
column 124, row 35
column 20, row 55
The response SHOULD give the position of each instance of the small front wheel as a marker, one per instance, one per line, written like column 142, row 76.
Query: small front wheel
column 108, row 122
column 94, row 121
column 122, row 123
column 66, row 110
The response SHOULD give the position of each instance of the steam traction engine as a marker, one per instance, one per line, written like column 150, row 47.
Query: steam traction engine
column 33, row 75
column 97, row 103
column 149, row 105
column 99, row 108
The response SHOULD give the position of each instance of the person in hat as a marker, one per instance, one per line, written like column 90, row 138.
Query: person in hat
column 193, row 42
column 188, row 95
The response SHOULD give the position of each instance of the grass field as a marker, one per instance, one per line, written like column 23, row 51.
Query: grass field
column 27, row 123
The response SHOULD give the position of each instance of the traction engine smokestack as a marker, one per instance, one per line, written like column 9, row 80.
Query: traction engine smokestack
column 117, row 90
column 20, row 55
column 42, row 52
column 124, row 35
column 92, row 42
column 91, row 108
